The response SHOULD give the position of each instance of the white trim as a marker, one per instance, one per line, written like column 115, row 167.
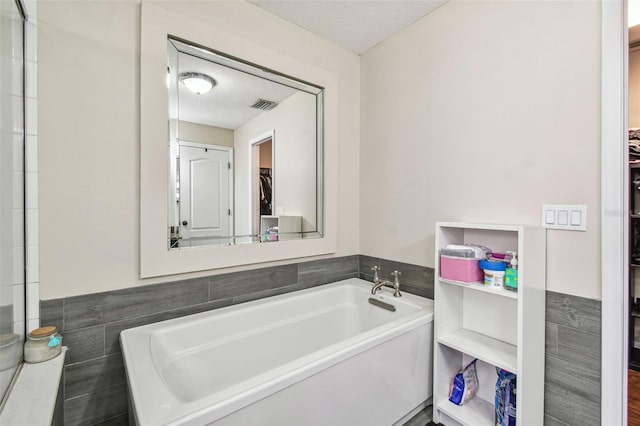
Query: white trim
column 614, row 220
column 183, row 142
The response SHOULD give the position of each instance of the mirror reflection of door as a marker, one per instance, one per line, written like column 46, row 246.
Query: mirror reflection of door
column 265, row 179
column 205, row 188
column 262, row 175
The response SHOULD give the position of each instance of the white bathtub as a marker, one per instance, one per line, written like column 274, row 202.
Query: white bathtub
column 322, row 356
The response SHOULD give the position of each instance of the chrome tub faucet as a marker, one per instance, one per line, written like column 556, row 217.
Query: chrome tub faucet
column 378, row 283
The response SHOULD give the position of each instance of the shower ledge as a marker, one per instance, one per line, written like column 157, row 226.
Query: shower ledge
column 32, row 400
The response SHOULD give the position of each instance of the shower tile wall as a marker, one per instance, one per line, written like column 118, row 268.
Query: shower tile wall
column 31, row 170
column 95, row 382
column 12, row 284
column 17, row 312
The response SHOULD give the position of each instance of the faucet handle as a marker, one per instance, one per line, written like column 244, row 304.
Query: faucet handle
column 376, row 270
column 396, row 283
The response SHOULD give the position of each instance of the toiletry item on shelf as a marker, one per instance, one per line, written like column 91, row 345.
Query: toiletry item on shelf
column 464, row 384
column 494, row 272
column 271, row 234
column 502, row 257
column 460, row 262
column 42, row 344
column 466, row 250
column 511, row 274
column 505, row 398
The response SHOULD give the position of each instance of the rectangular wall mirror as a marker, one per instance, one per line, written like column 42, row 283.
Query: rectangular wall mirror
column 245, row 151
column 238, row 149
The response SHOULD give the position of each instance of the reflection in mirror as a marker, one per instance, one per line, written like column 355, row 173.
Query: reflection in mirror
column 245, row 151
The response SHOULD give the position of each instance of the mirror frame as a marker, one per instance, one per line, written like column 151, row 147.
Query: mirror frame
column 157, row 24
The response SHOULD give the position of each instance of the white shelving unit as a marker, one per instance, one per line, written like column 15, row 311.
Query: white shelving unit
column 289, row 227
column 500, row 328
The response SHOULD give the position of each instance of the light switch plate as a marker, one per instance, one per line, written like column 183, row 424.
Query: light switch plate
column 568, row 217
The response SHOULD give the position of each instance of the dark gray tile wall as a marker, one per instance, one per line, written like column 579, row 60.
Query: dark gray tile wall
column 95, row 390
column 413, row 278
column 572, row 362
column 95, row 382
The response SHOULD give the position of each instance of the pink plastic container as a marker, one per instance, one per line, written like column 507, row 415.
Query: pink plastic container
column 460, row 269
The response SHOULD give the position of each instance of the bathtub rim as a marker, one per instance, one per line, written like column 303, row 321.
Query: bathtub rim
column 222, row 403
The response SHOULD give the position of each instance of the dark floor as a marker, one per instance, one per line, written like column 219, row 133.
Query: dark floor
column 423, row 418
column 634, row 398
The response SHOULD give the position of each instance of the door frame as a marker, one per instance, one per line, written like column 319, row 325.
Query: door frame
column 254, row 201
column 182, row 142
column 614, row 217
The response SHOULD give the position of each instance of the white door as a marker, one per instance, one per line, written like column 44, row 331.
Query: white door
column 204, row 191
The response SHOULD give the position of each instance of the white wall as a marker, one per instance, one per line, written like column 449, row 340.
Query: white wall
column 295, row 157
column 482, row 112
column 89, row 133
column 505, row 94
column 201, row 133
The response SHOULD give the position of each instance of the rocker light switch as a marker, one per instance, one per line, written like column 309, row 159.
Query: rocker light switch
column 563, row 217
column 550, row 217
column 576, row 217
column 573, row 217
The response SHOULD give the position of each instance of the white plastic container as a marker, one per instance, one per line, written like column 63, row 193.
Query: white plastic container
column 494, row 279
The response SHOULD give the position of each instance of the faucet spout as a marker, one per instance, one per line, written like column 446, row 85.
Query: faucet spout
column 395, row 285
column 380, row 284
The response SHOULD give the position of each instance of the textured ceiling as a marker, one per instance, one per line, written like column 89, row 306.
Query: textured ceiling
column 356, row 25
column 228, row 104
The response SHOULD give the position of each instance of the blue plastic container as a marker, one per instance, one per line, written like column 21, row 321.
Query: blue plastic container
column 493, row 272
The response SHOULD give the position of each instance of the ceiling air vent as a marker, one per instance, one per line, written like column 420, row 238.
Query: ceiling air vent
column 264, row 104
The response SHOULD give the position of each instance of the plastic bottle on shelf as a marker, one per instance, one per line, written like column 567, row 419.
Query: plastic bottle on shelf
column 511, row 275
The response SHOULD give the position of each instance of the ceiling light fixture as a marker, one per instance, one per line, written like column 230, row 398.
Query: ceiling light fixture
column 196, row 82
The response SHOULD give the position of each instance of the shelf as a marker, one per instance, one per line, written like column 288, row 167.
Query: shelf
column 482, row 288
column 479, row 321
column 635, row 314
column 485, row 348
column 475, row 412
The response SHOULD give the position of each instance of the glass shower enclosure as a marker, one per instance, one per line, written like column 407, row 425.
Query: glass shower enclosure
column 12, row 191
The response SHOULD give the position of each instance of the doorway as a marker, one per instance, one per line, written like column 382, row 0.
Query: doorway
column 633, row 390
column 262, row 180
